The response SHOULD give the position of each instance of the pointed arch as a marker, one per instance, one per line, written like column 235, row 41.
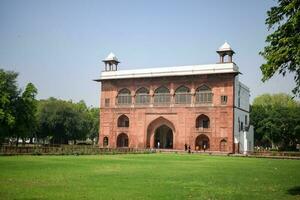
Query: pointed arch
column 223, row 145
column 182, row 95
column 124, row 91
column 161, row 90
column 142, row 96
column 142, row 90
column 122, row 140
column 203, row 88
column 124, row 97
column 162, row 95
column 204, row 95
column 202, row 142
column 154, row 125
column 202, row 121
column 123, row 121
column 182, row 89
column 105, row 141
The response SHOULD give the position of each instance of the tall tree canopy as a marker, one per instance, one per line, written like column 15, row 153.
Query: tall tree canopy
column 94, row 121
column 64, row 120
column 22, row 116
column 276, row 120
column 9, row 93
column 283, row 50
column 17, row 108
column 25, row 112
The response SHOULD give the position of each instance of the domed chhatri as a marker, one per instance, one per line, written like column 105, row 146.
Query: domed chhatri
column 225, row 50
column 225, row 47
column 111, row 62
column 111, row 57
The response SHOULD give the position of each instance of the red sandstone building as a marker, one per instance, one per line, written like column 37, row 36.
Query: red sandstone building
column 204, row 106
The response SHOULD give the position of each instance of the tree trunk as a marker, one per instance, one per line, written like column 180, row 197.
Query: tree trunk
column 272, row 145
column 23, row 141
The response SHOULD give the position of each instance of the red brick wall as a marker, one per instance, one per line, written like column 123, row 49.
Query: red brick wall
column 180, row 118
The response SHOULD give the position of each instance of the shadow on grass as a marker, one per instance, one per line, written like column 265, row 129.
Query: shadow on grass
column 294, row 190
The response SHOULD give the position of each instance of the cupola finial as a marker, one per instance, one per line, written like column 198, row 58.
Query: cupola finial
column 111, row 62
column 225, row 50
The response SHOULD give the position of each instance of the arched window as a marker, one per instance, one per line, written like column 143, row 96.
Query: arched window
column 123, row 121
column 124, row 97
column 142, row 96
column 223, row 145
column 204, row 95
column 202, row 121
column 182, row 95
column 162, row 95
column 105, row 141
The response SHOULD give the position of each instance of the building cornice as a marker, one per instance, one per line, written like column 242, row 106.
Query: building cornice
column 219, row 68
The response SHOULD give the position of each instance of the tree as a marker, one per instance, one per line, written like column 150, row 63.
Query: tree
column 94, row 121
column 52, row 117
column 17, row 109
column 283, row 50
column 25, row 112
column 78, row 125
column 9, row 93
column 64, row 120
column 276, row 120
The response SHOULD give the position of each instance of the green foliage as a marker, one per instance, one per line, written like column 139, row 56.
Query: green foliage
column 22, row 116
column 25, row 112
column 276, row 120
column 17, row 110
column 283, row 51
column 281, row 99
column 64, row 120
column 94, row 120
column 9, row 93
column 148, row 176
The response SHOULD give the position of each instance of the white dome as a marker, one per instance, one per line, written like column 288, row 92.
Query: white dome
column 225, row 47
column 110, row 57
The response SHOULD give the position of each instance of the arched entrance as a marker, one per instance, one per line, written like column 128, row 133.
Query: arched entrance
column 122, row 140
column 202, row 142
column 163, row 137
column 162, row 130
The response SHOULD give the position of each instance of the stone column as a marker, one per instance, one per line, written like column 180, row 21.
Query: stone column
column 172, row 93
column 132, row 98
column 151, row 94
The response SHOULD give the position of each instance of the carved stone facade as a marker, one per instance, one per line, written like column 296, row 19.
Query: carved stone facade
column 204, row 107
column 145, row 119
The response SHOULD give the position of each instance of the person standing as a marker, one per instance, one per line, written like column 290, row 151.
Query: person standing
column 158, row 144
column 189, row 148
column 185, row 147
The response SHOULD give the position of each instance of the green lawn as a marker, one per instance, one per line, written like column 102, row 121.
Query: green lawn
column 148, row 176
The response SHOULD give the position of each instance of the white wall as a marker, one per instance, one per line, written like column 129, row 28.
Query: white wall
column 242, row 95
column 242, row 131
column 246, row 141
column 239, row 121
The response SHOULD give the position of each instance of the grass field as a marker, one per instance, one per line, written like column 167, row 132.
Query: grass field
column 148, row 176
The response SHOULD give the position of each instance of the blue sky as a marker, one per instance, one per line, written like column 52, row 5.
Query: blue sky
column 59, row 45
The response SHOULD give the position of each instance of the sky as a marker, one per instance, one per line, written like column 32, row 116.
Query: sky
column 59, row 45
